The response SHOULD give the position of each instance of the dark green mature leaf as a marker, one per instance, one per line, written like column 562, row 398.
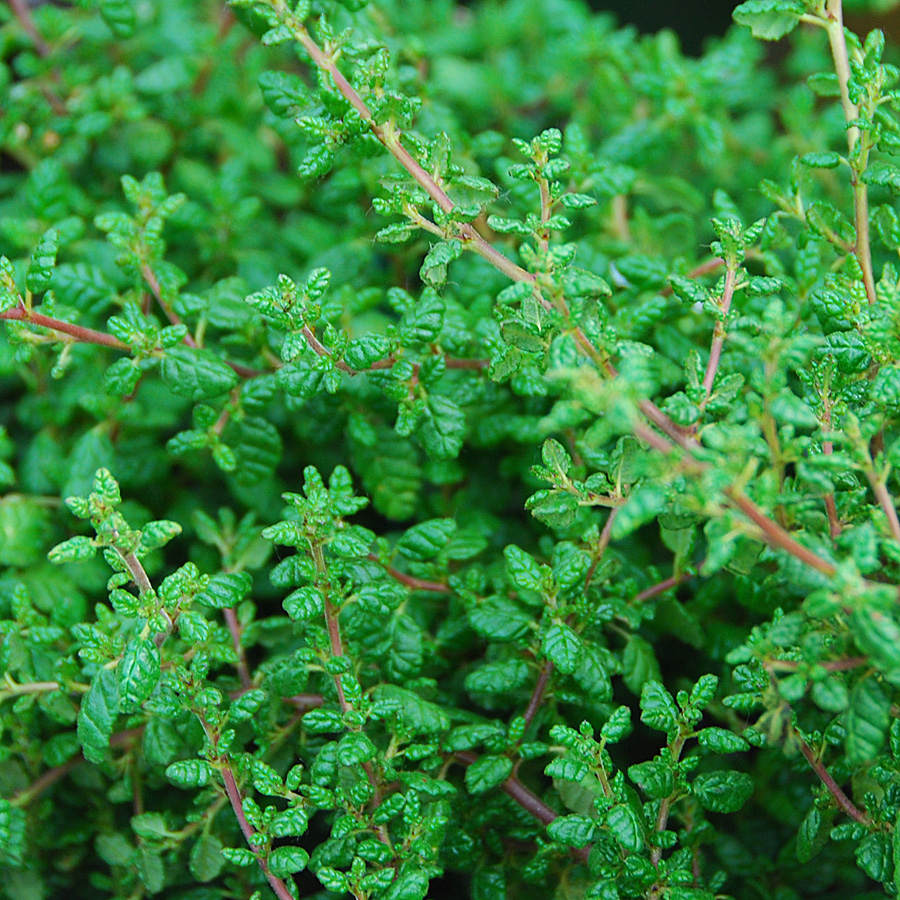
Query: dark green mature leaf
column 425, row 540
column 653, row 777
column 196, row 373
column 499, row 619
column 488, row 772
column 443, row 428
column 138, row 673
column 97, row 715
column 626, row 827
column 723, row 791
column 658, row 709
column 40, row 269
column 867, row 721
column 563, row 648
column 225, row 589
column 573, row 831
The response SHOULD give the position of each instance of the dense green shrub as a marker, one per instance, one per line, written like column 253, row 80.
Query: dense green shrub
column 487, row 422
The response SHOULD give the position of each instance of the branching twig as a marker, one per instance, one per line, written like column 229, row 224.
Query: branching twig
column 234, row 628
column 410, row 581
column 718, row 342
column 662, row 586
column 237, row 805
column 77, row 332
column 842, row 800
column 529, row 801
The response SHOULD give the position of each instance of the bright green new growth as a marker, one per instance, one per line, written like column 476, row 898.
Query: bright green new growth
column 503, row 507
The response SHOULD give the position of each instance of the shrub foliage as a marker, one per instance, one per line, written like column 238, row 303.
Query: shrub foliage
column 448, row 451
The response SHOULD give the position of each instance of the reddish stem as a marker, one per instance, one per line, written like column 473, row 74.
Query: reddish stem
column 698, row 271
column 22, row 12
column 529, row 801
column 416, row 584
column 661, row 587
column 79, row 333
column 235, row 629
column 842, row 800
column 718, row 343
column 237, row 805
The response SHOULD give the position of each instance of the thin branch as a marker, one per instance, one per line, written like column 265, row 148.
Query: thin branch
column 153, row 283
column 77, row 332
column 842, row 800
column 235, row 630
column 776, row 536
column 719, row 334
column 834, row 26
column 22, row 12
column 697, row 272
column 537, row 695
column 661, row 587
column 410, row 581
column 137, row 572
column 51, row 776
column 886, row 502
column 237, row 805
column 665, row 806
column 529, row 801
column 390, row 138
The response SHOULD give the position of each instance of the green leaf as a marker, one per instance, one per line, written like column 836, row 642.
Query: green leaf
column 355, row 748
column 206, row 860
column 722, row 791
column 811, row 837
column 285, row 93
column 877, row 635
column 225, row 590
column 572, row 830
column 285, row 861
column 488, row 772
column 825, row 160
column 422, row 322
column 157, row 534
column 417, row 715
column 40, row 269
column 626, row 827
column 499, row 619
column 196, row 373
column 362, row 352
column 305, row 604
column 720, row 740
column 639, row 664
column 138, row 673
column 523, row 570
column 434, row 266
column 425, row 541
column 189, row 773
column 867, row 721
column 443, row 428
column 97, row 715
column 654, row 778
column 875, row 857
column 498, row 677
column 410, row 885
column 769, row 19
column 562, row 647
column 658, row 709
column 119, row 16
column 72, row 550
